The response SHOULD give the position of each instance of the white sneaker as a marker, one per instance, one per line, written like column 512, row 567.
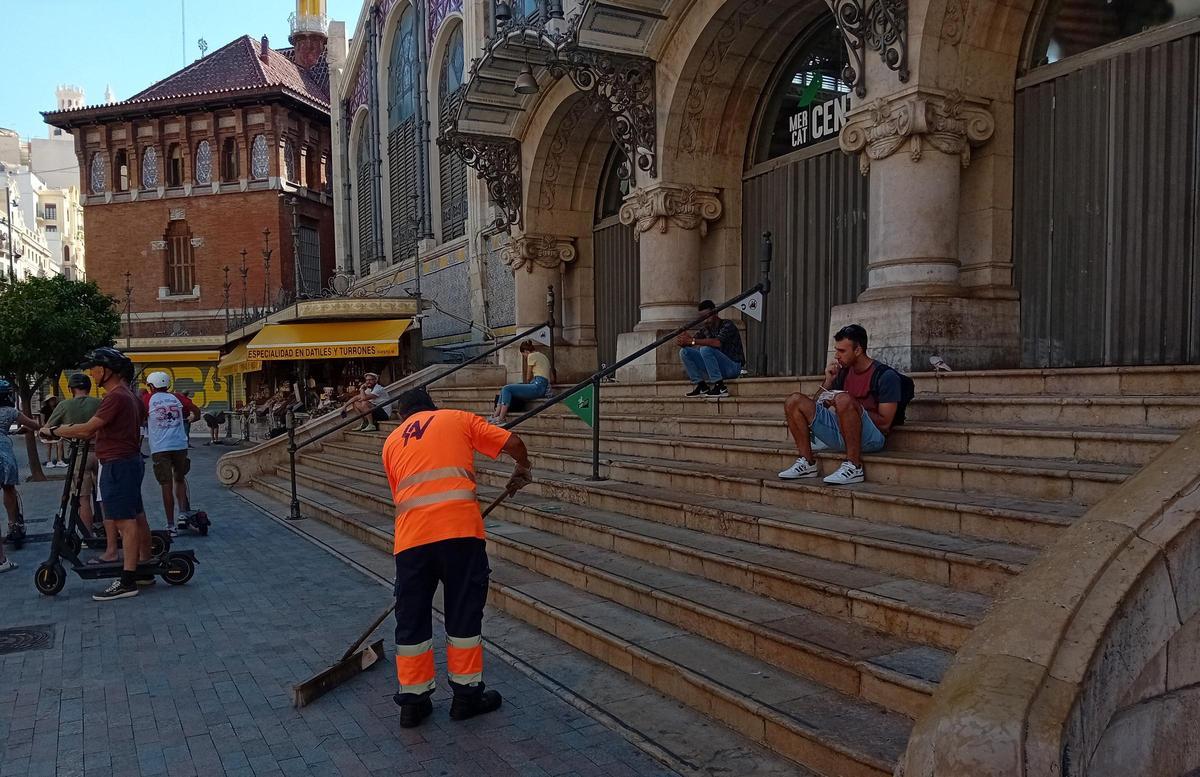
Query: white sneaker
column 801, row 469
column 846, row 475
column 49, row 465
column 8, row 566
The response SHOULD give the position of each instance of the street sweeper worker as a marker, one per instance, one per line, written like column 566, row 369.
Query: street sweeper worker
column 430, row 463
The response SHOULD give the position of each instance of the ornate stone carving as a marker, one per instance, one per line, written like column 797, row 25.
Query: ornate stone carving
column 176, row 214
column 664, row 206
column 529, row 251
column 622, row 88
column 563, row 137
column 954, row 23
column 949, row 122
column 879, row 25
column 498, row 162
column 197, row 242
column 158, row 245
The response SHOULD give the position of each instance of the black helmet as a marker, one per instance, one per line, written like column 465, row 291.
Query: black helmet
column 5, row 388
column 79, row 381
column 107, row 357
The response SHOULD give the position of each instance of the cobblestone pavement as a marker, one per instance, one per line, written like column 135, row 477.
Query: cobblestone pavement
column 195, row 679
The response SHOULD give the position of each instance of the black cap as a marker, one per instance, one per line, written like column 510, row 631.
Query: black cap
column 414, row 401
column 79, row 381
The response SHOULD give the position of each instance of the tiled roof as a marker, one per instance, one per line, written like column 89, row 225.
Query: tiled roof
column 235, row 67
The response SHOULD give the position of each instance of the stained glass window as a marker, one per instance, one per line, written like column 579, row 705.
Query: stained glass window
column 402, row 71
column 204, row 163
column 149, row 168
column 453, row 172
column 260, row 159
column 99, row 174
column 289, row 159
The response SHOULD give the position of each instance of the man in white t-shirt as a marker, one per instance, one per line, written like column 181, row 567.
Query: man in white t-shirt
column 369, row 397
column 165, row 416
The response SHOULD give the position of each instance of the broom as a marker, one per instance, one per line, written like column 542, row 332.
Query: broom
column 357, row 659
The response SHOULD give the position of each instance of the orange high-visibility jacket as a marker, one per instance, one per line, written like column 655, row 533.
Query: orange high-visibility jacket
column 430, row 463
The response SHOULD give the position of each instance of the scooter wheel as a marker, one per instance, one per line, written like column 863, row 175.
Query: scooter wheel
column 50, row 579
column 158, row 545
column 179, row 570
column 73, row 544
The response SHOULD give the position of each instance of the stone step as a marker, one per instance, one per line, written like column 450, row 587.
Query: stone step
column 909, row 609
column 1077, row 382
column 1108, row 445
column 1007, row 519
column 969, row 564
column 820, row 728
column 1157, row 412
column 1084, row 483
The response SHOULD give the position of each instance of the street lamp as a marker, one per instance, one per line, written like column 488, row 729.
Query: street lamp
column 128, row 308
column 245, row 272
column 266, row 269
column 225, row 289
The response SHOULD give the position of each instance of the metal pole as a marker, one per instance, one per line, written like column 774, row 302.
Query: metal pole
column 229, row 422
column 550, row 318
column 245, row 271
column 266, row 269
column 294, row 509
column 764, row 264
column 426, row 233
column 12, row 247
column 596, row 430
column 298, row 287
column 128, row 309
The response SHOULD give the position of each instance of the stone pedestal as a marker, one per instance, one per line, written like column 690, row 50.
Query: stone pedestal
column 669, row 222
column 915, row 145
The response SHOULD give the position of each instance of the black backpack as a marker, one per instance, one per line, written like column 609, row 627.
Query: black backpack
column 908, row 388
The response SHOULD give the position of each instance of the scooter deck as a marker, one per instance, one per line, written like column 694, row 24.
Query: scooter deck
column 107, row 569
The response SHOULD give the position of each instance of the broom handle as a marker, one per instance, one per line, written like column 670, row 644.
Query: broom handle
column 383, row 615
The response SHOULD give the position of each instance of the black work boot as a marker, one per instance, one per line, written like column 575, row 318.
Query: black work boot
column 413, row 712
column 474, row 701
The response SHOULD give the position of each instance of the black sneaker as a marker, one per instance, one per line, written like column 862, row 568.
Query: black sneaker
column 145, row 581
column 411, row 715
column 115, row 591
column 699, row 390
column 717, row 392
column 467, row 706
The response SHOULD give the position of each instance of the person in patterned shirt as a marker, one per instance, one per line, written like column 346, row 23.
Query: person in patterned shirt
column 712, row 355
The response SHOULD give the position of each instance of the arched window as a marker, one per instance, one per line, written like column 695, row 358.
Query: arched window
column 175, row 165
column 453, row 170
column 260, row 158
column 809, row 101
column 181, row 260
column 149, row 167
column 312, row 169
column 204, row 163
column 229, row 160
column 364, row 198
column 121, row 164
column 402, row 135
column 99, row 173
column 290, row 163
column 1070, row 27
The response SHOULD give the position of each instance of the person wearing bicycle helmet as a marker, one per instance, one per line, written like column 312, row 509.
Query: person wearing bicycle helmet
column 116, row 427
column 9, row 474
column 167, row 414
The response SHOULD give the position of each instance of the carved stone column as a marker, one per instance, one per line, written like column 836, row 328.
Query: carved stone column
column 915, row 144
column 537, row 263
column 669, row 222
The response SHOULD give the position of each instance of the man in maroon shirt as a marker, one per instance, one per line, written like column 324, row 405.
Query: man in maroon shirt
column 116, row 427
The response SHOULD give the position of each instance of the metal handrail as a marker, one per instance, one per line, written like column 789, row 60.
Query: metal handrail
column 764, row 286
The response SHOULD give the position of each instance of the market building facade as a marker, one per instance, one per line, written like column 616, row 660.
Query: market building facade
column 1001, row 184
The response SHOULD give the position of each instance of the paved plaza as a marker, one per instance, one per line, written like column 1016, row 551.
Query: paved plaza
column 196, row 679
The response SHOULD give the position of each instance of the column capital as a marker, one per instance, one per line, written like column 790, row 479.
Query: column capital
column 664, row 205
column 546, row 251
column 949, row 121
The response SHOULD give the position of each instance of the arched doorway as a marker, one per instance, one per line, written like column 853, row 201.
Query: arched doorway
column 1106, row 222
column 616, row 262
column 800, row 187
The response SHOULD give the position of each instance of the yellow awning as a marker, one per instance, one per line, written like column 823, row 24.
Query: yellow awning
column 237, row 362
column 172, row 357
column 333, row 340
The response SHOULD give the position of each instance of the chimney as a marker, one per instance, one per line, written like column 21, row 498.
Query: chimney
column 309, row 35
column 264, row 52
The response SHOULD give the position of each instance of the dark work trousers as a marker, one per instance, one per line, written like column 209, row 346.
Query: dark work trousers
column 461, row 566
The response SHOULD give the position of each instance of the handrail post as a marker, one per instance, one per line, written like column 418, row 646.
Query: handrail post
column 596, row 429
column 550, row 319
column 764, row 264
column 294, row 509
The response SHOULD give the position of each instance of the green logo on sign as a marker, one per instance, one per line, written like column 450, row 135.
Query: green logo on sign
column 583, row 403
column 811, row 90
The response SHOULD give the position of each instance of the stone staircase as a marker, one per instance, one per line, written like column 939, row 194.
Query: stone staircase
column 814, row 620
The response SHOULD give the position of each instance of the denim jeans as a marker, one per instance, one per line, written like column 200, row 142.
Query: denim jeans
column 705, row 363
column 537, row 389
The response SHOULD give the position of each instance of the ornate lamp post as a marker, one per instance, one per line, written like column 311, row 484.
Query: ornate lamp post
column 128, row 308
column 299, row 287
column 266, row 254
column 225, row 292
column 245, row 271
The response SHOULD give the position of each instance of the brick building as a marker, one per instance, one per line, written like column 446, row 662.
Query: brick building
column 184, row 176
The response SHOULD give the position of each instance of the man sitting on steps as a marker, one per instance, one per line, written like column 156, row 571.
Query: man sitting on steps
column 853, row 411
column 712, row 355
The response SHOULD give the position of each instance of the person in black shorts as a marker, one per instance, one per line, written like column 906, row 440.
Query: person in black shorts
column 117, row 428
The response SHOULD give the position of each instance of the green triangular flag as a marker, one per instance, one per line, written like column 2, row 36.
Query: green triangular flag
column 582, row 403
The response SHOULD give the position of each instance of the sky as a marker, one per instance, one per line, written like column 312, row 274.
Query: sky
column 129, row 44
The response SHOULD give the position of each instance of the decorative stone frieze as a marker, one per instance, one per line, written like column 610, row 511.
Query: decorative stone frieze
column 948, row 121
column 158, row 245
column 177, row 214
column 664, row 206
column 546, row 251
column 197, row 242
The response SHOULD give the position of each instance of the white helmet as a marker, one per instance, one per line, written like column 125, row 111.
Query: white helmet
column 159, row 380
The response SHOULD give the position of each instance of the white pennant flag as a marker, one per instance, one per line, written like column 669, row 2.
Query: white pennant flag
column 542, row 335
column 752, row 306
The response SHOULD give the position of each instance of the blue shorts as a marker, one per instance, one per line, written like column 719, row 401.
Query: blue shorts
column 121, row 488
column 825, row 428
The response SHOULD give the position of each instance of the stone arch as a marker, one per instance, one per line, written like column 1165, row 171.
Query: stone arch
column 439, row 51
column 389, row 28
column 359, row 123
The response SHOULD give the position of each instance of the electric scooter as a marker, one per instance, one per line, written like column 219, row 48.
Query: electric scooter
column 175, row 567
column 193, row 520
